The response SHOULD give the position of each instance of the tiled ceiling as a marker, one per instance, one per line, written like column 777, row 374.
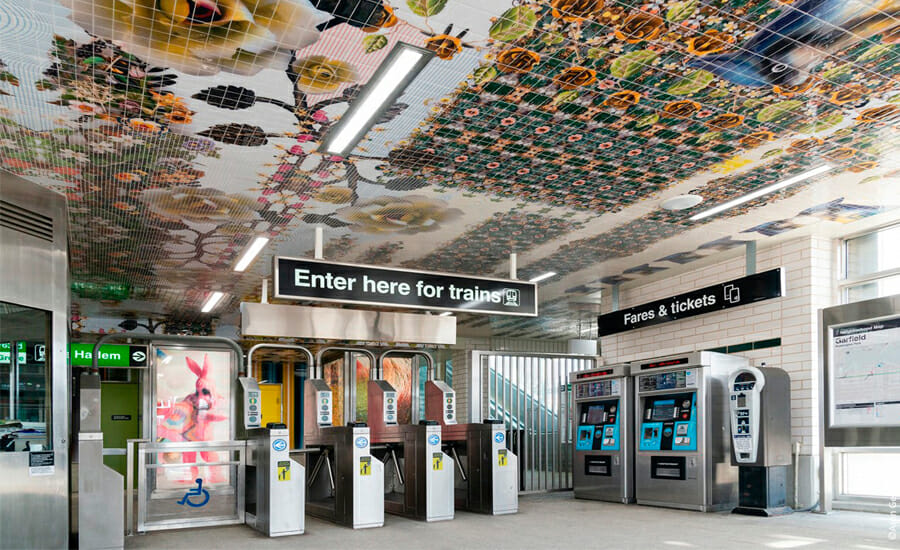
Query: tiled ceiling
column 181, row 129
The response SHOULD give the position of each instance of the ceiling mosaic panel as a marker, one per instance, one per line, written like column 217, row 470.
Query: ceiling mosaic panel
column 181, row 130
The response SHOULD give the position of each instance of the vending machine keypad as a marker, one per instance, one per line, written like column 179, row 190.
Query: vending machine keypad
column 669, row 423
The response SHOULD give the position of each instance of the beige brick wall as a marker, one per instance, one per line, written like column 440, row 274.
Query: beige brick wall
column 810, row 276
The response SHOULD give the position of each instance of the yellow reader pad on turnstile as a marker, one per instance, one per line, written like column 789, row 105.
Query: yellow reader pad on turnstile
column 284, row 470
column 437, row 461
column 365, row 466
column 501, row 457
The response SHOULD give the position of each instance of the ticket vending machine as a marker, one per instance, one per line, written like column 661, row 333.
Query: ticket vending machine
column 604, row 450
column 760, row 414
column 682, row 431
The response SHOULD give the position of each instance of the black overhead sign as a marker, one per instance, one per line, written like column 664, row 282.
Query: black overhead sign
column 315, row 280
column 739, row 292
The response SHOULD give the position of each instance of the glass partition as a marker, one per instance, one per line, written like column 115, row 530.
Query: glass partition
column 24, row 378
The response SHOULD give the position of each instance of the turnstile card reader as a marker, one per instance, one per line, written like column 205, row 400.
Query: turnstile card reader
column 604, row 455
column 760, row 415
column 346, row 482
column 681, row 427
column 419, row 483
column 487, row 476
column 249, row 404
column 276, row 485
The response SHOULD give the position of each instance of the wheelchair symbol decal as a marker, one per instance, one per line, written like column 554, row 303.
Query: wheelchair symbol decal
column 199, row 490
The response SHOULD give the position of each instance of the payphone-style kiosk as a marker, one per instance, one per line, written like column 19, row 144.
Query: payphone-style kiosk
column 681, row 431
column 604, row 450
column 421, row 481
column 760, row 414
column 488, row 472
column 346, row 482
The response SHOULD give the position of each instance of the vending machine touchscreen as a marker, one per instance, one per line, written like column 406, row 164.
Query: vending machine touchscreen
column 680, row 425
column 603, row 450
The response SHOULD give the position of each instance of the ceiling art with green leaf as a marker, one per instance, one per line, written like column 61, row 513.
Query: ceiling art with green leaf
column 180, row 130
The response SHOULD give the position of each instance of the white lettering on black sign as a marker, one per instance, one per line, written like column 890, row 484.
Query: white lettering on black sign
column 347, row 283
column 760, row 286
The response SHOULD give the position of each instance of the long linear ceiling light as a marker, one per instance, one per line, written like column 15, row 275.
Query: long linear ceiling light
column 399, row 68
column 540, row 278
column 760, row 192
column 212, row 301
column 250, row 254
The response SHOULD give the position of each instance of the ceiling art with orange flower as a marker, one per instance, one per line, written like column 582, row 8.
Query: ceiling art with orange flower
column 181, row 129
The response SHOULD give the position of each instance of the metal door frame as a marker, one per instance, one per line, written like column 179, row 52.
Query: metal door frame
column 350, row 382
column 429, row 375
column 548, row 448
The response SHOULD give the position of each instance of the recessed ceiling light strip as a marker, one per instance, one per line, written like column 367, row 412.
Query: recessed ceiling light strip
column 398, row 70
column 212, row 301
column 761, row 192
column 250, row 254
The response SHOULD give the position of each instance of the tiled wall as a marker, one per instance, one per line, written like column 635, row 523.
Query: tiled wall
column 810, row 274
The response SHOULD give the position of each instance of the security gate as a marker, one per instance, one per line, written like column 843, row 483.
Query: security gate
column 530, row 393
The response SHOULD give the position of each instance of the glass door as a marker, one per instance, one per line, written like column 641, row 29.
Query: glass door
column 24, row 378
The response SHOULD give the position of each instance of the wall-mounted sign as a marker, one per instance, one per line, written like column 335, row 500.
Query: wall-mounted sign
column 111, row 355
column 5, row 353
column 301, row 279
column 739, row 292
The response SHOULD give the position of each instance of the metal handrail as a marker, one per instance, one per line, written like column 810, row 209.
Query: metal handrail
column 149, row 337
column 129, row 484
column 429, row 361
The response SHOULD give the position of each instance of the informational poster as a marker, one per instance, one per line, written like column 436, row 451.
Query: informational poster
column 865, row 374
column 193, row 403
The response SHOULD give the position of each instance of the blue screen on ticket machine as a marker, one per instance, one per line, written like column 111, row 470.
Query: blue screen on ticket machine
column 598, row 426
column 669, row 423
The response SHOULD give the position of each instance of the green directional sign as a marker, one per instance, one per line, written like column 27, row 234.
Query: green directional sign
column 111, row 355
column 5, row 353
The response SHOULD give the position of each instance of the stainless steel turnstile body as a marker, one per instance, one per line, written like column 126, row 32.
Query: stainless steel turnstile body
column 682, row 436
column 345, row 483
column 276, row 485
column 419, row 480
column 487, row 477
column 603, row 447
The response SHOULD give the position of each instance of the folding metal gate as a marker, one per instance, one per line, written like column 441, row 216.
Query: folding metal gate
column 530, row 393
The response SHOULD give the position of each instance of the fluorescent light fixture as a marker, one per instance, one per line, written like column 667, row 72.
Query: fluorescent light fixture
column 760, row 192
column 255, row 248
column 212, row 301
column 399, row 68
column 540, row 278
column 446, row 314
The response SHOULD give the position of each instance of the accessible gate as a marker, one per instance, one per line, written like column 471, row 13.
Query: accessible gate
column 530, row 392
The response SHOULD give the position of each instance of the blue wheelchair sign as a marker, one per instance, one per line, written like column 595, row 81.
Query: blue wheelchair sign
column 434, row 439
column 498, row 437
column 196, row 492
column 279, row 445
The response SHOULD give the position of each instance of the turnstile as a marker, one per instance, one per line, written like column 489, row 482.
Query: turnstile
column 275, row 494
column 419, row 482
column 346, row 482
column 682, row 431
column 603, row 451
column 488, row 472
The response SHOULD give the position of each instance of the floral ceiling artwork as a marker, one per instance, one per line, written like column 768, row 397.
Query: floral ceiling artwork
column 180, row 130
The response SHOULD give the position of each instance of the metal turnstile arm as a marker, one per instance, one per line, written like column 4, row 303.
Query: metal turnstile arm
column 397, row 467
column 459, row 465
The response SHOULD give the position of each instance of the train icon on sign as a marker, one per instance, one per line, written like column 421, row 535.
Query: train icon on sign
column 511, row 297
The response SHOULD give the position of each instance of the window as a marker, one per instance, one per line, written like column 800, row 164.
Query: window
column 871, row 265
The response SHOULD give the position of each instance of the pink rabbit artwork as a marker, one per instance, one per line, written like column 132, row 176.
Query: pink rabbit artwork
column 190, row 419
